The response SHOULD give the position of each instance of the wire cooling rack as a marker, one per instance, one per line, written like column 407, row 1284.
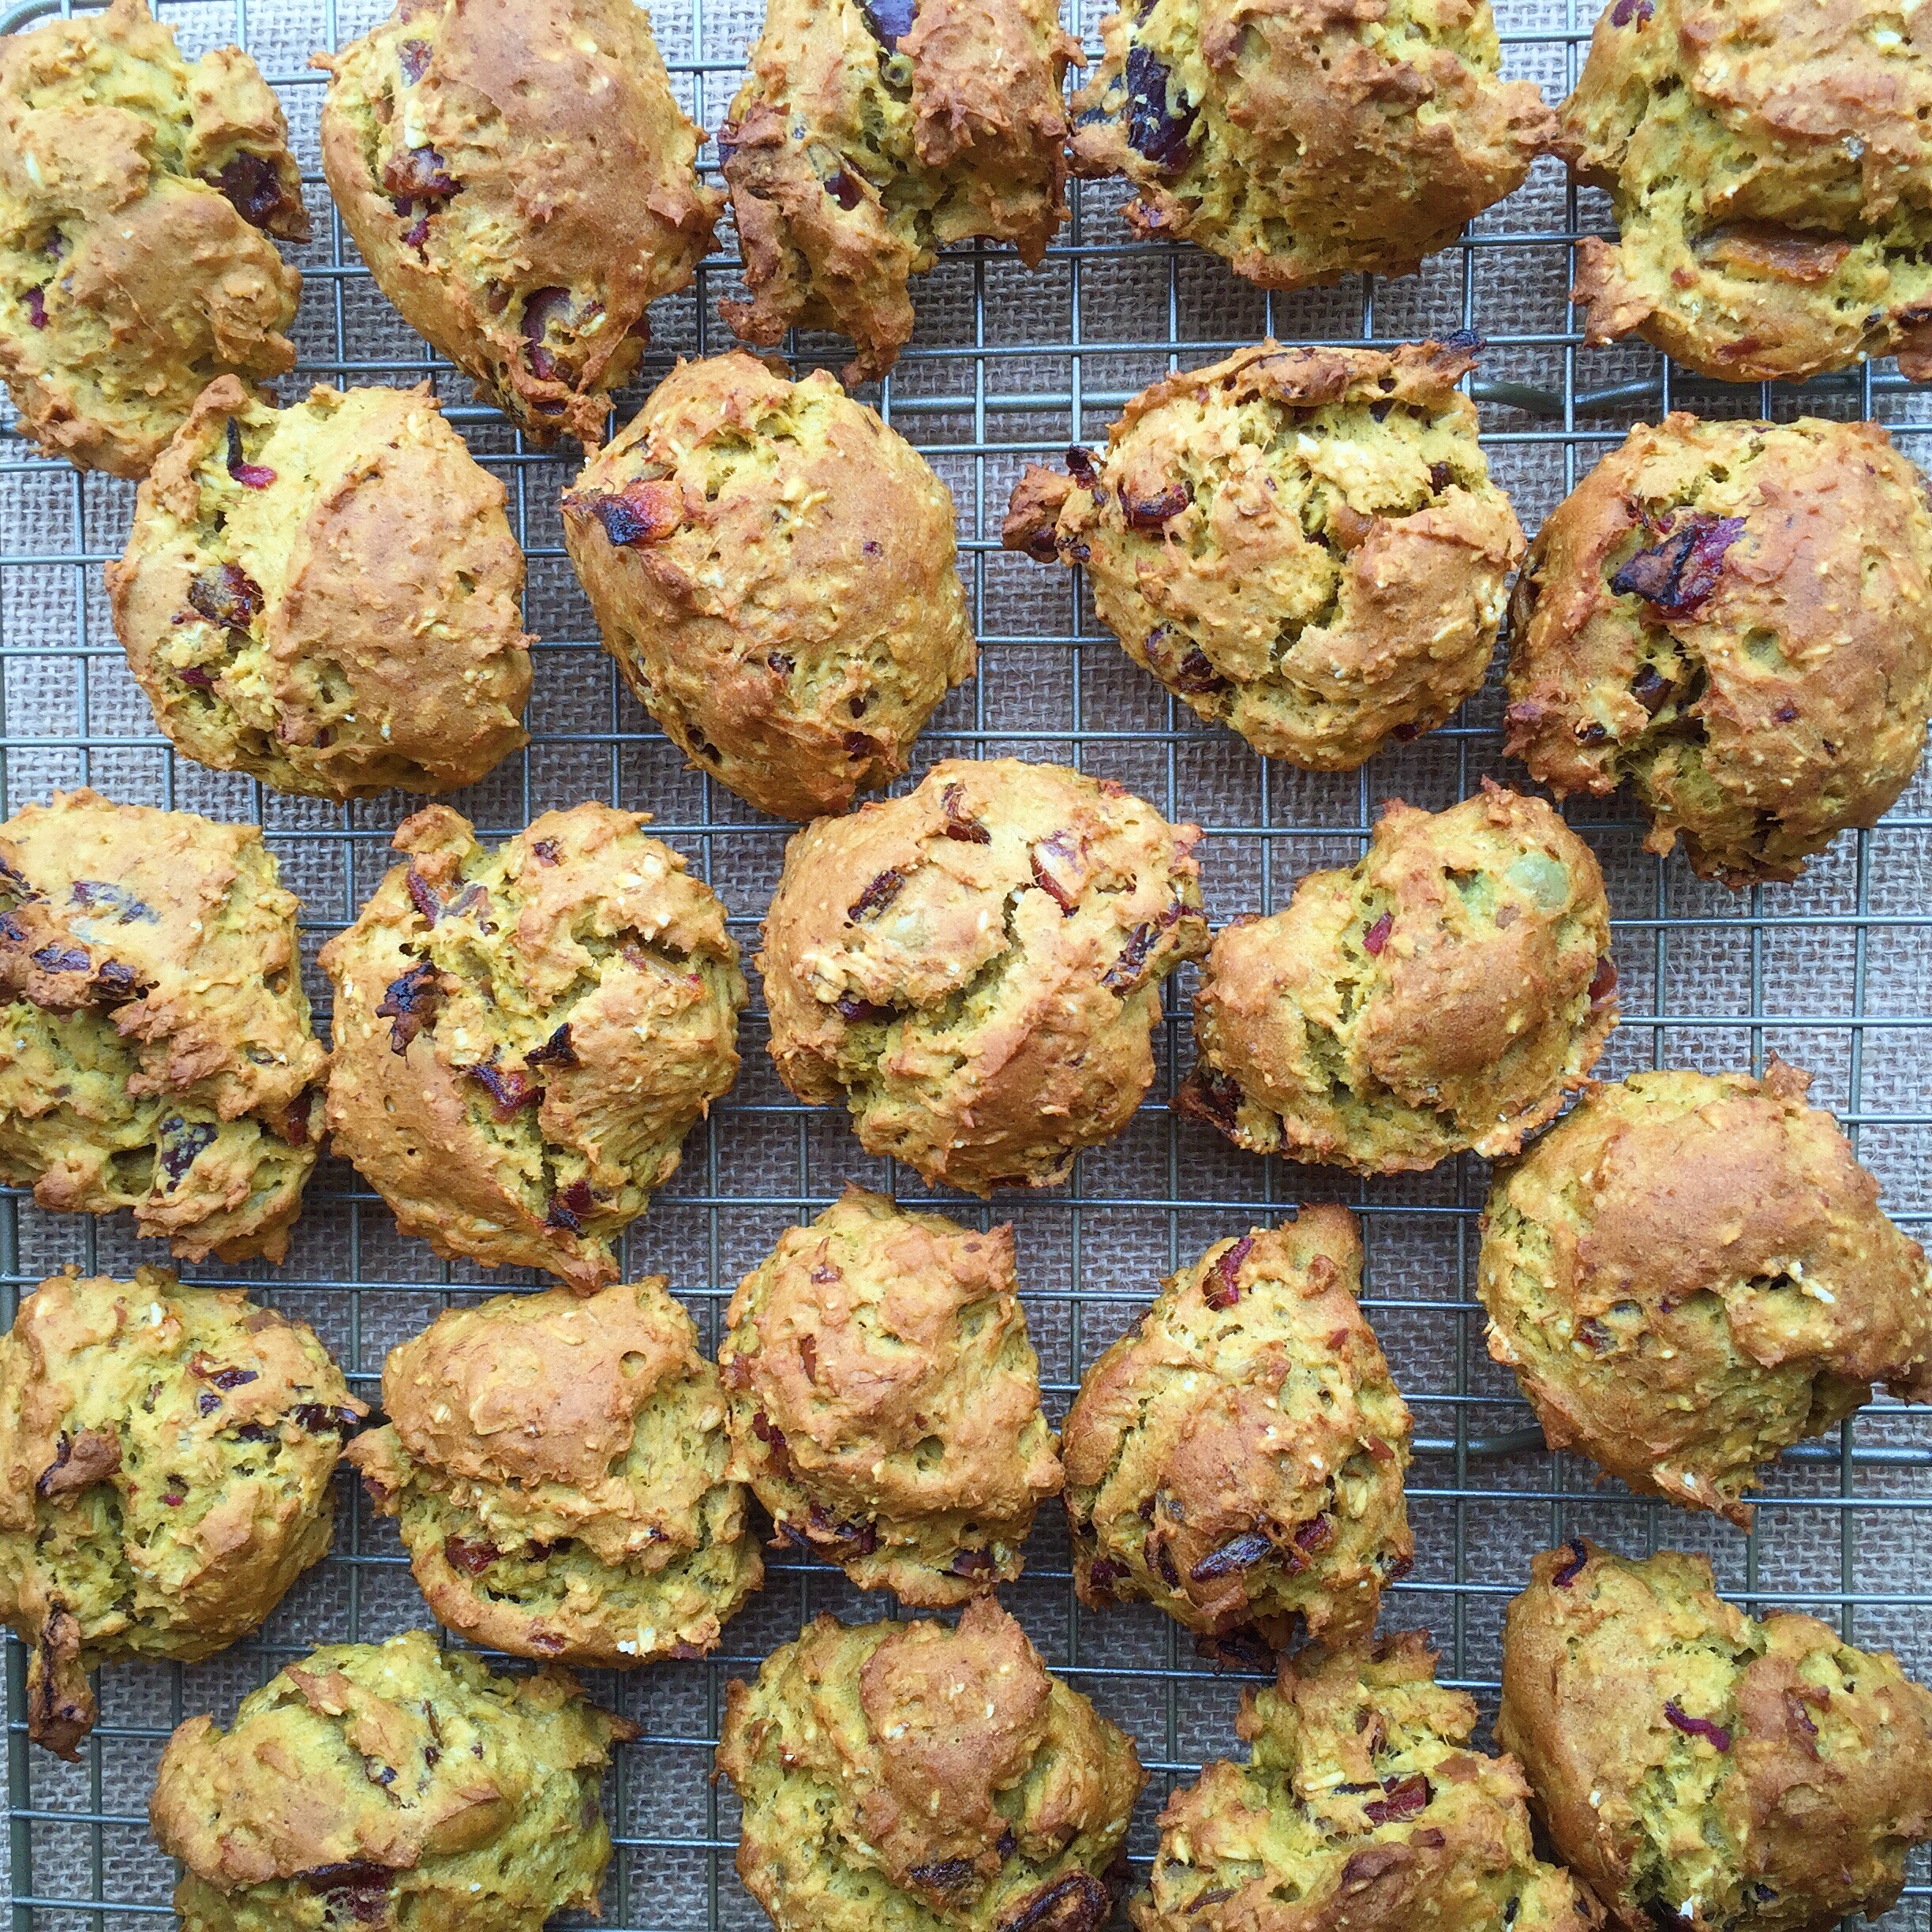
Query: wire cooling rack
column 1007, row 367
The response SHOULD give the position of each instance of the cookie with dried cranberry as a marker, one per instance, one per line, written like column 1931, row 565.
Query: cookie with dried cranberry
column 929, row 1779
column 772, row 568
column 885, row 1400
column 1695, row 1766
column 165, row 1459
column 1238, row 1459
column 327, row 596
column 1691, row 1273
column 976, row 969
column 1734, row 619
column 524, row 1037
column 1441, row 995
column 1303, row 544
column 1766, row 162
column 522, row 185
column 1308, row 140
column 141, row 196
column 867, row 136
column 159, row 1056
column 1362, row 1802
column 556, row 1466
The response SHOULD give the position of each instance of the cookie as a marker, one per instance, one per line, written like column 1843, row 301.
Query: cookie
column 976, row 968
column 1691, row 1273
column 160, row 1057
column 1238, row 1459
column 556, row 1466
column 524, row 1037
column 326, row 596
column 391, row 1785
column 867, row 137
column 141, row 198
column 885, row 1400
column 1440, row 996
column 1360, row 1804
column 1303, row 142
column 772, row 569
column 523, row 186
column 1766, row 163
column 921, row 1777
column 1303, row 544
column 1734, row 619
column 1695, row 1767
column 165, row 1458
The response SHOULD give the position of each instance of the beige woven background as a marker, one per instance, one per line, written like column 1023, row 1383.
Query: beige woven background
column 994, row 379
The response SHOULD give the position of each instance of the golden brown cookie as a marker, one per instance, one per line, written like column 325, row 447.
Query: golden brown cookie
column 1698, row 1768
column 138, row 195
column 1734, row 619
column 522, row 185
column 926, row 1779
column 524, row 1037
column 165, row 1458
column 976, row 969
column 772, row 569
column 1441, row 995
column 1303, row 544
column 1360, row 1806
column 327, row 596
column 160, row 1056
column 1305, row 139
column 1237, row 1459
column 1767, row 161
column 884, row 1399
column 556, row 1466
column 867, row 137
column 1691, row 1273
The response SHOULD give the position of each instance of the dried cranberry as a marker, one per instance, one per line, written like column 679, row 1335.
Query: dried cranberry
column 569, row 1206
column 225, row 594
column 252, row 184
column 419, row 175
column 890, row 20
column 858, row 1011
column 224, row 1379
column 555, row 1052
column 944, row 1874
column 1376, row 937
column 417, row 234
column 1441, row 476
column 1797, row 1722
column 1603, row 984
column 1158, row 134
column 424, row 896
column 1402, row 1800
column 1221, row 1290
column 1650, row 690
column 510, row 1091
column 1317, row 1534
column 181, row 1143
column 959, row 824
column 857, row 1539
column 411, row 1004
column 1077, row 1903
column 879, row 894
column 542, row 307
column 1195, row 676
column 1677, row 575
column 57, row 959
column 250, row 476
column 779, row 664
column 1242, row 1650
column 1053, row 861
column 1241, row 1552
column 200, row 679
column 1129, row 968
column 1591, row 733
column 971, row 1562
column 1785, row 714
column 36, row 299
column 207, row 1404
column 1147, row 513
column 412, row 58
column 843, row 189
column 641, row 513
column 360, row 1889
column 545, row 851
column 1212, row 1096
column 471, row 1559
column 1081, row 466
column 808, row 1344
column 320, row 1419
column 1625, row 11
column 1104, row 1573
column 1164, row 1563
column 96, row 896
column 1714, row 1734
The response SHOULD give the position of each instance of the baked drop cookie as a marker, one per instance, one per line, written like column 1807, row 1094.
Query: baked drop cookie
column 773, row 570
column 522, row 185
column 524, row 1037
column 921, row 1777
column 326, row 596
column 165, row 1458
column 1237, row 1459
column 884, row 1399
column 1303, row 544
column 976, row 968
column 866, row 137
column 1441, row 995
column 155, row 1049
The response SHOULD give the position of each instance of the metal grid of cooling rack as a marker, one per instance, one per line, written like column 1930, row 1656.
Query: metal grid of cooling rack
column 1832, row 972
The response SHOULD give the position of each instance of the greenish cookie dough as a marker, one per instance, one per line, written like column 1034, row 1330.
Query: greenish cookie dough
column 165, row 1458
column 1306, row 139
column 393, row 1785
column 885, row 1400
column 155, row 1049
column 773, row 570
column 976, row 969
column 1690, row 1272
column 138, row 195
column 1696, row 1767
column 907, row 1777
column 327, row 596
column 1303, row 544
column 524, row 1037
column 1442, row 994
column 556, row 1464
column 522, row 185
column 1238, row 1459
column 1361, row 1806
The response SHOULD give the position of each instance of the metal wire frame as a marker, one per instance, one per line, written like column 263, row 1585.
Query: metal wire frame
column 977, row 407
